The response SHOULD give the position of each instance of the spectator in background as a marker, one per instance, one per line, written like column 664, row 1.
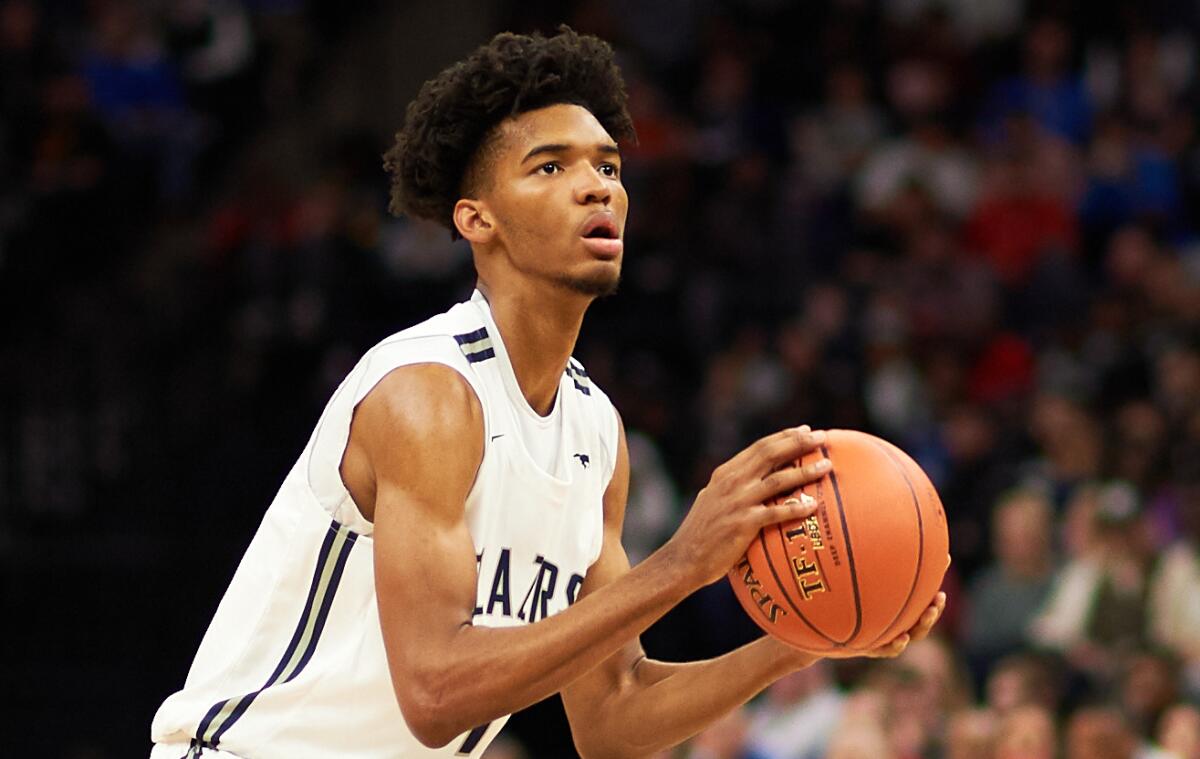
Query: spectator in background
column 1138, row 451
column 1022, row 680
column 1027, row 732
column 971, row 734
column 1005, row 596
column 25, row 61
column 1177, row 381
column 1099, row 733
column 1047, row 90
column 830, row 141
column 1179, row 732
column 1069, row 447
column 796, row 717
column 922, row 690
column 925, row 166
column 723, row 739
column 861, row 732
column 1129, row 179
column 1017, row 222
column 977, row 470
column 1149, row 685
column 1174, row 603
column 652, row 508
column 1096, row 610
column 136, row 90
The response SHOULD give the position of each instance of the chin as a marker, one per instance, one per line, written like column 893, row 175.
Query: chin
column 598, row 285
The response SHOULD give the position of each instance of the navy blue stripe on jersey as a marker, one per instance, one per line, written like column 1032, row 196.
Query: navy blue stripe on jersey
column 471, row 337
column 289, row 667
column 334, row 579
column 472, row 740
column 322, row 557
column 476, row 346
column 204, row 724
column 322, row 613
column 482, row 355
column 578, row 376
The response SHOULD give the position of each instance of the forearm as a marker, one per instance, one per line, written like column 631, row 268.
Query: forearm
column 665, row 704
column 482, row 673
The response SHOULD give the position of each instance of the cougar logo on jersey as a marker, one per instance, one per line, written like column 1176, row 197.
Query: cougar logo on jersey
column 544, row 595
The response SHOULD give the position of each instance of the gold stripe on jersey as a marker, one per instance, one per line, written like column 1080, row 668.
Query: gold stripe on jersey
column 325, row 586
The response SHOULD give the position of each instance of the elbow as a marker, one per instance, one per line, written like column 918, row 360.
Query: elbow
column 427, row 716
column 428, row 732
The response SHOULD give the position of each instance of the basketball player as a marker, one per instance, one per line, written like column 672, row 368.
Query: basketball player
column 447, row 548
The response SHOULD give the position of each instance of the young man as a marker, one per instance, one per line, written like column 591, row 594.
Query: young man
column 447, row 550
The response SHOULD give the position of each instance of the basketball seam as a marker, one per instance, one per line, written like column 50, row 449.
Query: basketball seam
column 837, row 494
column 783, row 590
column 920, row 539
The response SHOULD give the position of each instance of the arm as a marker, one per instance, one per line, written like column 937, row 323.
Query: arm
column 415, row 446
column 634, row 706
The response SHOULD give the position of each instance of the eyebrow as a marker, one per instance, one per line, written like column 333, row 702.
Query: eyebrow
column 559, row 147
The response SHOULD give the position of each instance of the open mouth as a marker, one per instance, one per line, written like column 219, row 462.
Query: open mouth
column 600, row 228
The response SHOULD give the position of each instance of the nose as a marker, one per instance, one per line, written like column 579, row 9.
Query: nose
column 591, row 187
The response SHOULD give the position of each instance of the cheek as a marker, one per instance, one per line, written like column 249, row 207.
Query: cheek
column 533, row 217
column 621, row 202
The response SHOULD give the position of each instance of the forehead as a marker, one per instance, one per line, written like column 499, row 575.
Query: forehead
column 561, row 124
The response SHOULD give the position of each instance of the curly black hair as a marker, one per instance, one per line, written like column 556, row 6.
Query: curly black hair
column 448, row 125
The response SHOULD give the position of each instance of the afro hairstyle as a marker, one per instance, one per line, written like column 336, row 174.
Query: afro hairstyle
column 455, row 113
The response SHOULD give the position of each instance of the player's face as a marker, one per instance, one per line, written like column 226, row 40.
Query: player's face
column 557, row 199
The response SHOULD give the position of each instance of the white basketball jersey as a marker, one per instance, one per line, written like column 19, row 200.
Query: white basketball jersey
column 293, row 662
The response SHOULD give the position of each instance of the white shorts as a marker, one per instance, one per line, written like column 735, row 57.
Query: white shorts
column 180, row 751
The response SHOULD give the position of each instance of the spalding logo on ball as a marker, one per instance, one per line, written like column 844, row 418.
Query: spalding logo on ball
column 859, row 571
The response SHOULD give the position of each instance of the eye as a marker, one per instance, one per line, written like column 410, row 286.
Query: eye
column 552, row 166
column 610, row 170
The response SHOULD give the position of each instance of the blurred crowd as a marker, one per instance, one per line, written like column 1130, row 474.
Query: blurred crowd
column 964, row 225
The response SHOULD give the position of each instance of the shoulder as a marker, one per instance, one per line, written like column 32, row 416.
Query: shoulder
column 429, row 399
column 450, row 339
column 421, row 418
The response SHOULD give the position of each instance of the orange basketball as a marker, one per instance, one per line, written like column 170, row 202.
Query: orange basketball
column 860, row 570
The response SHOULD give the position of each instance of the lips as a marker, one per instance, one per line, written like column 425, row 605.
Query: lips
column 601, row 236
column 602, row 247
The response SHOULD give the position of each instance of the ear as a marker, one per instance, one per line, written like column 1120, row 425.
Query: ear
column 474, row 221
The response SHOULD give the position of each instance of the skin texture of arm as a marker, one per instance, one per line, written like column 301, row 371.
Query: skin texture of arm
column 415, row 446
column 632, row 706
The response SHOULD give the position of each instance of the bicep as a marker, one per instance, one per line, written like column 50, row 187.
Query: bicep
column 425, row 579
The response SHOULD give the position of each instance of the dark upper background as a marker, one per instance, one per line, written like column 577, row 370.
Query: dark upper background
column 966, row 226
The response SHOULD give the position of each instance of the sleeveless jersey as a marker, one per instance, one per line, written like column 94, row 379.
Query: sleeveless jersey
column 293, row 662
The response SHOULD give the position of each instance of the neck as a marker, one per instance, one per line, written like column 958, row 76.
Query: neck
column 539, row 330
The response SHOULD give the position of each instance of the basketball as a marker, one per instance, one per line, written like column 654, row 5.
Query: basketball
column 863, row 568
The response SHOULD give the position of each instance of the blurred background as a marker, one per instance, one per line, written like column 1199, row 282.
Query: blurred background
column 964, row 225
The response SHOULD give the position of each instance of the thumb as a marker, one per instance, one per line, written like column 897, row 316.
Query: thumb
column 797, row 506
